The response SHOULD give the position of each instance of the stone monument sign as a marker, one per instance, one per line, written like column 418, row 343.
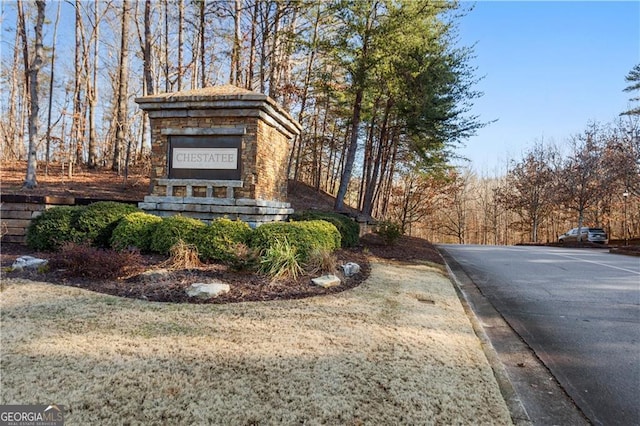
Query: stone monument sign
column 219, row 152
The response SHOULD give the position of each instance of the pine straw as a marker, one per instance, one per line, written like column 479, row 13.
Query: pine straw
column 399, row 349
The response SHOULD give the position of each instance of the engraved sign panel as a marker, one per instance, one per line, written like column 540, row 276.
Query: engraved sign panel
column 205, row 157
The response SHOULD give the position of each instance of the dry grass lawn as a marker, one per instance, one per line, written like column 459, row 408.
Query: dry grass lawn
column 399, row 349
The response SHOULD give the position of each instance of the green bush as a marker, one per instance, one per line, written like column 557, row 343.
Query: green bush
column 173, row 229
column 390, row 232
column 53, row 228
column 134, row 230
column 305, row 236
column 348, row 228
column 98, row 220
column 218, row 240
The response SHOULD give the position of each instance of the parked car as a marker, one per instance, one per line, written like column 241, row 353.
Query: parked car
column 593, row 235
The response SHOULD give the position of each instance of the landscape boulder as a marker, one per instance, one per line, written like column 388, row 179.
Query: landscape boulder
column 207, row 290
column 326, row 281
column 28, row 262
column 350, row 269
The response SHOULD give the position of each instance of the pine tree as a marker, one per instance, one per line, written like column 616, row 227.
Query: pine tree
column 634, row 79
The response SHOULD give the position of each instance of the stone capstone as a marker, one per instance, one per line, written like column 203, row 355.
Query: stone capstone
column 207, row 291
column 326, row 281
column 28, row 262
column 350, row 269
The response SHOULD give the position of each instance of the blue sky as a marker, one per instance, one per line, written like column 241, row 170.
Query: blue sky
column 549, row 68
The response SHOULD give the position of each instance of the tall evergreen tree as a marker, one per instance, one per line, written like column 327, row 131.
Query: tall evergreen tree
column 633, row 78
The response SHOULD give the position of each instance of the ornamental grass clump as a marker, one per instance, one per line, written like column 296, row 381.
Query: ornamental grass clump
column 281, row 260
column 321, row 262
column 182, row 256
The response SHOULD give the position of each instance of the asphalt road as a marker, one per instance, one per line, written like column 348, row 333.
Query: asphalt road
column 578, row 310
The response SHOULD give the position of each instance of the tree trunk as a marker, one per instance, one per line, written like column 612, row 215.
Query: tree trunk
column 264, row 21
column 203, row 76
column 121, row 106
column 274, row 61
column 235, row 70
column 368, row 149
column 389, row 184
column 92, row 92
column 12, row 149
column 351, row 151
column 78, row 113
column 252, row 46
column 359, row 77
column 51, row 78
column 30, row 181
column 167, row 80
column 297, row 141
column 180, row 35
column 146, row 54
column 367, row 207
column 24, row 110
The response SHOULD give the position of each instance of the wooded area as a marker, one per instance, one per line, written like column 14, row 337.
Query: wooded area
column 381, row 88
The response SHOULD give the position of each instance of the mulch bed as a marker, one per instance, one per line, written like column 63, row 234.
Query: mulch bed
column 161, row 285
column 170, row 286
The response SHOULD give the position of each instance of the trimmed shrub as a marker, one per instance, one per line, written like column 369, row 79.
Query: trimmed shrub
column 98, row 220
column 53, row 228
column 217, row 240
column 348, row 228
column 134, row 230
column 305, row 236
column 173, row 229
column 390, row 232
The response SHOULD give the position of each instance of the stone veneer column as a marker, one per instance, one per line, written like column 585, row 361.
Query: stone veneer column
column 266, row 133
column 265, row 129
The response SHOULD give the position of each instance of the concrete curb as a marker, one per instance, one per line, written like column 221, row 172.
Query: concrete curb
column 519, row 414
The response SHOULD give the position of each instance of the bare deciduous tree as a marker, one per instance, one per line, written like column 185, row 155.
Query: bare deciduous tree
column 121, row 100
column 579, row 181
column 528, row 188
column 30, row 181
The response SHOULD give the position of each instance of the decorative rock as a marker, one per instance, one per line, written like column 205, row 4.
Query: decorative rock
column 207, row 291
column 28, row 262
column 155, row 274
column 326, row 281
column 350, row 269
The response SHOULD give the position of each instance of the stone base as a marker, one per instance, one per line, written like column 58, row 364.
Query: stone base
column 253, row 212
